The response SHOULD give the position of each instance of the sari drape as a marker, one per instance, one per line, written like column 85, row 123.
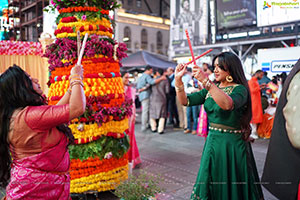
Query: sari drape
column 42, row 176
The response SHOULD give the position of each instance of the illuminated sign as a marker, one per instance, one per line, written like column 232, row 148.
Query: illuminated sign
column 272, row 12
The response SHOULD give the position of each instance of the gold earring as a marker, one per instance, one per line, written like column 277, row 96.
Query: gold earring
column 229, row 79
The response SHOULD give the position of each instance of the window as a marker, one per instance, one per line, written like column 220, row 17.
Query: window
column 138, row 3
column 159, row 41
column 130, row 2
column 127, row 37
column 144, row 39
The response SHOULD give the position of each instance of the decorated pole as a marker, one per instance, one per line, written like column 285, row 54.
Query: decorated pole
column 98, row 157
column 190, row 45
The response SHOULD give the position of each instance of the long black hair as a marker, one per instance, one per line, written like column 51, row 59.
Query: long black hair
column 16, row 92
column 231, row 63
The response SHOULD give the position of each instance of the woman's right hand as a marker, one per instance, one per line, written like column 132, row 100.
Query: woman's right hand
column 77, row 69
column 180, row 71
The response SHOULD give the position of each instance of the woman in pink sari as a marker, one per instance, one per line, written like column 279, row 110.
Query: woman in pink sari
column 133, row 152
column 34, row 158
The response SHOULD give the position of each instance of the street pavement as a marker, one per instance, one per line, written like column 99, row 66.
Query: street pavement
column 175, row 157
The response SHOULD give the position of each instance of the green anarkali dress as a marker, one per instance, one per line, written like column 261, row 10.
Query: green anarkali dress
column 227, row 169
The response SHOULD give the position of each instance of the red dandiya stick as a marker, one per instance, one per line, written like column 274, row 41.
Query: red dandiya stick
column 190, row 45
column 206, row 52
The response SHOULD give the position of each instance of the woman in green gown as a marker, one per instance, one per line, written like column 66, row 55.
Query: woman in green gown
column 227, row 170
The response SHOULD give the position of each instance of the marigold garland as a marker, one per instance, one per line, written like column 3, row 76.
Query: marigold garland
column 73, row 22
column 91, row 166
column 82, row 9
column 100, row 182
column 67, row 35
column 83, row 26
column 93, row 130
column 99, row 75
column 90, row 68
column 92, row 86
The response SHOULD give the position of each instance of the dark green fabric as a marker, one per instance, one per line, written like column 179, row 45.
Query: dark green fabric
column 225, row 171
column 216, row 114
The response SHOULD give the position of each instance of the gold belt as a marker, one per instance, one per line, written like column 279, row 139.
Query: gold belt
column 223, row 128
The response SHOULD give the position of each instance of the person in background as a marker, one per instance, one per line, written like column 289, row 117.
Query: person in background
column 158, row 103
column 209, row 70
column 227, row 170
column 192, row 112
column 143, row 86
column 281, row 173
column 172, row 109
column 34, row 158
column 264, row 81
column 255, row 91
column 133, row 152
column 281, row 80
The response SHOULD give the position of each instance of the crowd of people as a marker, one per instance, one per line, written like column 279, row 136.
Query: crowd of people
column 161, row 106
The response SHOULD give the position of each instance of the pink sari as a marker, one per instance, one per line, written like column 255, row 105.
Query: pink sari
column 133, row 152
column 42, row 176
column 39, row 175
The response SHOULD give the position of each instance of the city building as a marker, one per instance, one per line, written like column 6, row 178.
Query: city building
column 144, row 25
column 243, row 27
column 28, row 15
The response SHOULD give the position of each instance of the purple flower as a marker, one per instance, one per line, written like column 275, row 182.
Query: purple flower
column 83, row 17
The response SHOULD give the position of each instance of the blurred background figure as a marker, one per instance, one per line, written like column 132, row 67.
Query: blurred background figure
column 172, row 109
column 255, row 91
column 143, row 86
column 209, row 71
column 192, row 112
column 265, row 80
column 158, row 103
column 133, row 152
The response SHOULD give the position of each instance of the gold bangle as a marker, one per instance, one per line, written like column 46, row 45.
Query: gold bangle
column 74, row 79
column 179, row 88
column 204, row 81
column 69, row 90
column 76, row 83
column 208, row 85
column 74, row 75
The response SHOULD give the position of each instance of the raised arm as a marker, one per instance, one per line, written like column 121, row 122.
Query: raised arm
column 77, row 100
column 179, row 86
column 75, row 96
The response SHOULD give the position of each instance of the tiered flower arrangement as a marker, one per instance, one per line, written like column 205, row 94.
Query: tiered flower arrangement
column 98, row 159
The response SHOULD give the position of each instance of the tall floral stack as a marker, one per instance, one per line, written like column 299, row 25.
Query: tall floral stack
column 98, row 159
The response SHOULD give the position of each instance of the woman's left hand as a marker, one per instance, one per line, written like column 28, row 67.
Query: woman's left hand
column 199, row 74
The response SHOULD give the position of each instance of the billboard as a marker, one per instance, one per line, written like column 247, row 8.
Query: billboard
column 235, row 13
column 272, row 12
column 278, row 60
column 193, row 16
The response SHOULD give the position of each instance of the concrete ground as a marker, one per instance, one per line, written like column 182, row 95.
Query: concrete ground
column 175, row 157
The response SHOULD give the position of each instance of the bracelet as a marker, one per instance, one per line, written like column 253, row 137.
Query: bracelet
column 69, row 90
column 74, row 75
column 76, row 83
column 73, row 79
column 179, row 88
column 204, row 81
column 208, row 84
